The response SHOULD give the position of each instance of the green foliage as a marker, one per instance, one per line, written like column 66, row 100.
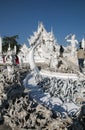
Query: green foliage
column 12, row 40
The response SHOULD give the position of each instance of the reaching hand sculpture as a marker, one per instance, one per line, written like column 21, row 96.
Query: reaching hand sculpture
column 73, row 42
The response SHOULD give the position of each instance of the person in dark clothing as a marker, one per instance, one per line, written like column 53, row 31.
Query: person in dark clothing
column 81, row 57
column 61, row 51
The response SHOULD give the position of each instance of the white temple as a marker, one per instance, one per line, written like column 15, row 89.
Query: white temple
column 44, row 52
column 47, row 48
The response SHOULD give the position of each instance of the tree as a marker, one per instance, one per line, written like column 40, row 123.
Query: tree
column 12, row 41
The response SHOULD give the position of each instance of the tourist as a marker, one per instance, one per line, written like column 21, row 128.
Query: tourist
column 3, row 58
column 16, row 59
column 81, row 57
column 61, row 51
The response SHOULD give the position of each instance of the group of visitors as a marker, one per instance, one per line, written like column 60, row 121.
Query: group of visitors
column 80, row 56
column 14, row 59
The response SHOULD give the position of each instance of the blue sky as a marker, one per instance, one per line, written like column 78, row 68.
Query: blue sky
column 22, row 17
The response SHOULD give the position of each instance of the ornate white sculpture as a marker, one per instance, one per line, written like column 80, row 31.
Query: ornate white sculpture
column 9, row 56
column 73, row 42
column 23, row 55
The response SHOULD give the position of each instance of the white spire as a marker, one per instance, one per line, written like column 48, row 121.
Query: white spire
column 0, row 45
column 15, row 49
column 9, row 48
column 52, row 30
column 83, row 43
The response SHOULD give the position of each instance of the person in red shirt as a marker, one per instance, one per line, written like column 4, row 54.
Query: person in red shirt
column 16, row 59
